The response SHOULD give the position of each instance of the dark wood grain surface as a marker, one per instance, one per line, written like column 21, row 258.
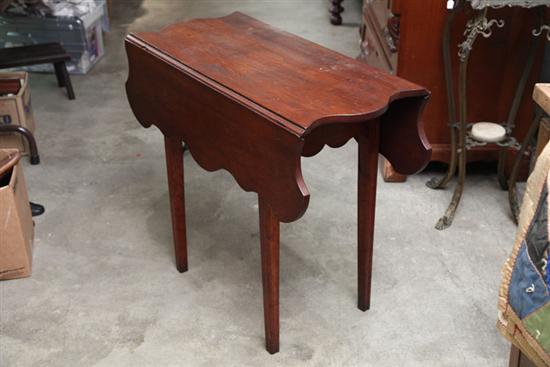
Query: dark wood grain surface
column 174, row 165
column 239, row 89
column 269, row 242
column 302, row 82
column 253, row 100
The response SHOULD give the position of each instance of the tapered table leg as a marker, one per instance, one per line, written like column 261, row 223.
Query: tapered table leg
column 366, row 202
column 174, row 165
column 269, row 238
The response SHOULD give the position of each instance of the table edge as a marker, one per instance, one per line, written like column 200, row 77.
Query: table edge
column 135, row 40
column 274, row 117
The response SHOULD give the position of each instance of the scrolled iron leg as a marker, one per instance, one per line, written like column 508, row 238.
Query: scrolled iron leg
column 478, row 24
column 447, row 219
column 441, row 182
column 501, row 176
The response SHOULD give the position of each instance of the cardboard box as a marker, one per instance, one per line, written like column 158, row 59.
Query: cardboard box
column 16, row 225
column 16, row 110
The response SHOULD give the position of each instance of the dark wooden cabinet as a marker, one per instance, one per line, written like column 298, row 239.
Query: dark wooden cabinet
column 404, row 37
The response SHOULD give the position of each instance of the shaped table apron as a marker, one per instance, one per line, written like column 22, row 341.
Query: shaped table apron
column 261, row 147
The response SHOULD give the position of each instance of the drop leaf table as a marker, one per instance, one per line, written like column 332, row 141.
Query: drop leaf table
column 253, row 100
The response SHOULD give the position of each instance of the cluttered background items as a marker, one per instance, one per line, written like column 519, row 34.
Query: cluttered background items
column 45, row 8
column 77, row 25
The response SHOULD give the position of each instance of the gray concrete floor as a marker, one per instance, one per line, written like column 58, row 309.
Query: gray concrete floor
column 105, row 292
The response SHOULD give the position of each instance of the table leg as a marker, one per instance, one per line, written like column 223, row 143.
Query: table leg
column 59, row 74
column 366, row 203
column 269, row 238
column 63, row 79
column 174, row 165
column 447, row 219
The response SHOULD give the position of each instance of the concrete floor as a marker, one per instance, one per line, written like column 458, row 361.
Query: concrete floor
column 105, row 292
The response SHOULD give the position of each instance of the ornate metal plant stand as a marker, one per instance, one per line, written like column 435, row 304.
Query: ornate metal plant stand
column 463, row 135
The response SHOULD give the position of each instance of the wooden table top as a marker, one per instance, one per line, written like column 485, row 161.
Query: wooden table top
column 296, row 83
column 541, row 95
column 254, row 100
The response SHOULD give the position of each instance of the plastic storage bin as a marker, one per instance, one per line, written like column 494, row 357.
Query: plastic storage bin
column 81, row 37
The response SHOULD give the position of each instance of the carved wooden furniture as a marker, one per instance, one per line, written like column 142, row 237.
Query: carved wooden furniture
column 253, row 100
column 419, row 57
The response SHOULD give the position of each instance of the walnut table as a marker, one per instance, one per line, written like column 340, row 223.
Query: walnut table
column 253, row 100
